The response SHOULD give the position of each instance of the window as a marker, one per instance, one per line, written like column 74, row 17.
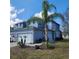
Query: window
column 13, row 36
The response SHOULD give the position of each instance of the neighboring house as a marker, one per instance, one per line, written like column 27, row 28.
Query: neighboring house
column 34, row 32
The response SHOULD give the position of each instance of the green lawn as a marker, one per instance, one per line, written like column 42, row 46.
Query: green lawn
column 61, row 51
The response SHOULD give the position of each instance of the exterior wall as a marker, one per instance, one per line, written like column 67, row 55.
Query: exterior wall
column 13, row 36
column 28, row 36
column 21, row 35
column 58, row 33
column 32, row 36
column 38, row 35
column 41, row 25
column 37, row 25
column 51, row 36
column 53, row 26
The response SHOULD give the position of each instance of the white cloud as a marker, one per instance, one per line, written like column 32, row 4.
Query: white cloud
column 20, row 11
column 13, row 15
column 40, row 14
column 12, row 22
column 13, row 12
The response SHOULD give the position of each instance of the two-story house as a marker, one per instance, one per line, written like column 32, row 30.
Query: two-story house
column 34, row 32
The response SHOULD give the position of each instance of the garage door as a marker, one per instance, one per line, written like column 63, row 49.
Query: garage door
column 27, row 37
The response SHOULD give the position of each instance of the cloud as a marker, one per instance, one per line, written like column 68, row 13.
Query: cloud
column 20, row 11
column 13, row 15
column 12, row 22
column 40, row 14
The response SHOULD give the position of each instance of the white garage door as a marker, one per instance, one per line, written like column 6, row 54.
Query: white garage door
column 27, row 37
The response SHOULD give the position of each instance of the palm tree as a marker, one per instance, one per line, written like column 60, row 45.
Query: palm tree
column 46, row 18
column 45, row 8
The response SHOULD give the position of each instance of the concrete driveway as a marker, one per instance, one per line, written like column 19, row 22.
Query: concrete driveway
column 13, row 44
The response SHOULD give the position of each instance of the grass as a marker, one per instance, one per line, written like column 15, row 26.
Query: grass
column 61, row 51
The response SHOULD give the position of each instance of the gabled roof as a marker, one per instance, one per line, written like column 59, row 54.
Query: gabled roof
column 56, row 23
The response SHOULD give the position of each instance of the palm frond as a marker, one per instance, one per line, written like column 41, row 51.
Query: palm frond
column 35, row 19
column 52, row 6
column 55, row 15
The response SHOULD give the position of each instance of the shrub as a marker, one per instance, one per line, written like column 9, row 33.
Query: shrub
column 37, row 47
column 22, row 44
column 51, row 45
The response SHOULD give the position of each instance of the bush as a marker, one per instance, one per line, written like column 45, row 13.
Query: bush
column 51, row 45
column 37, row 47
column 22, row 44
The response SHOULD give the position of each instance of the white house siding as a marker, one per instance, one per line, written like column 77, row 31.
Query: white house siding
column 38, row 35
column 27, row 35
column 22, row 34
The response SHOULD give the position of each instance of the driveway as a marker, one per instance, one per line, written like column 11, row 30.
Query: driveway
column 13, row 44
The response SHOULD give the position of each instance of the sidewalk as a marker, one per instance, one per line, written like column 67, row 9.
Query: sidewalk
column 13, row 44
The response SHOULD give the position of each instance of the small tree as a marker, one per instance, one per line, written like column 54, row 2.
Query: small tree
column 22, row 44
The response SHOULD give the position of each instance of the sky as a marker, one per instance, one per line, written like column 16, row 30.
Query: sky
column 24, row 9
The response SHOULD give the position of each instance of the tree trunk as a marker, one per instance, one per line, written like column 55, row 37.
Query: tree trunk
column 46, row 35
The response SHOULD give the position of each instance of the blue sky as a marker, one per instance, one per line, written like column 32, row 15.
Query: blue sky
column 34, row 6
